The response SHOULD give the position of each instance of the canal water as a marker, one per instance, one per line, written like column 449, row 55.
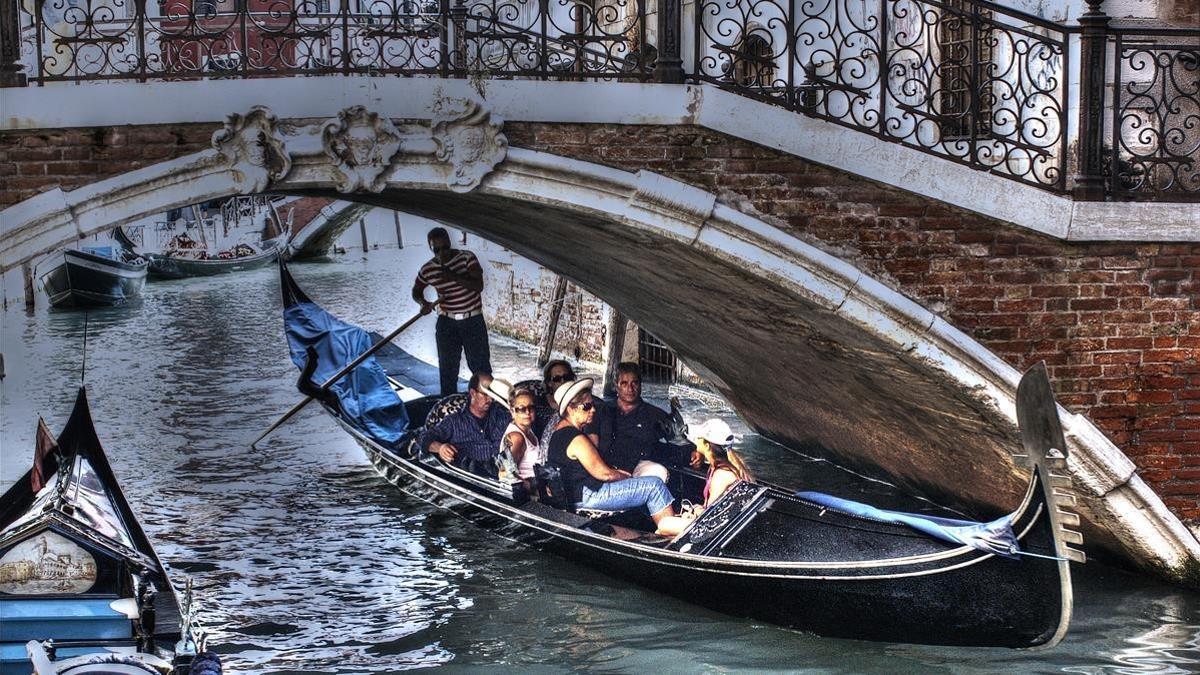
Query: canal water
column 304, row 560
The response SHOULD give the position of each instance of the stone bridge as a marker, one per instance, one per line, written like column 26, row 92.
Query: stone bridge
column 871, row 296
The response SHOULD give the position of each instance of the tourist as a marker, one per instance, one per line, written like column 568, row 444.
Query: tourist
column 470, row 438
column 631, row 431
column 457, row 278
column 589, row 481
column 524, row 445
column 725, row 467
column 554, row 375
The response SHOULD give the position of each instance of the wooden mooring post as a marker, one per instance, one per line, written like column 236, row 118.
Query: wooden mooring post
column 27, row 281
column 399, row 230
column 362, row 230
column 614, row 348
column 546, row 346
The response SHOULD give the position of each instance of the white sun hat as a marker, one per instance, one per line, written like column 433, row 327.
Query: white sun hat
column 499, row 390
column 567, row 391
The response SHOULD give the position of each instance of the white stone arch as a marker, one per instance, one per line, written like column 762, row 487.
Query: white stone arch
column 807, row 347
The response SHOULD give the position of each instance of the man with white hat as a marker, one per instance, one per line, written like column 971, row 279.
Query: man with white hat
column 470, row 438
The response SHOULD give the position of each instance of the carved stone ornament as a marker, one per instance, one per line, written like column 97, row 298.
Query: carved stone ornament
column 468, row 137
column 362, row 145
column 254, row 147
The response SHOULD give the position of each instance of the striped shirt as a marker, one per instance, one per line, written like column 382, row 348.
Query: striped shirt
column 475, row 438
column 454, row 296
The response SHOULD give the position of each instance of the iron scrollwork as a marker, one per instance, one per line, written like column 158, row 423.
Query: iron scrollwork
column 71, row 40
column 1155, row 151
column 951, row 78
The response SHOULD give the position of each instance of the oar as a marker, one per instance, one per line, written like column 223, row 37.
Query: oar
column 337, row 376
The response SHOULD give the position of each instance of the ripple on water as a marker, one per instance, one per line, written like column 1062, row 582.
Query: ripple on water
column 305, row 560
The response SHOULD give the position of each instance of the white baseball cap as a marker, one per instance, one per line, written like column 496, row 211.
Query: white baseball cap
column 714, row 431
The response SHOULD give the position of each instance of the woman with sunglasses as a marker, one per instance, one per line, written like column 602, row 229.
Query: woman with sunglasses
column 554, row 375
column 522, row 442
column 590, row 482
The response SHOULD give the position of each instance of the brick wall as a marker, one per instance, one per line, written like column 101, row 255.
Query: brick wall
column 32, row 161
column 518, row 296
column 1118, row 323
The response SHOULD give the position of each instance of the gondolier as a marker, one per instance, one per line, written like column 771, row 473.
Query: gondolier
column 458, row 279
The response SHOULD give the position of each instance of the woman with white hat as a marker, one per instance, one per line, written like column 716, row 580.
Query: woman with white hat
column 725, row 467
column 590, row 482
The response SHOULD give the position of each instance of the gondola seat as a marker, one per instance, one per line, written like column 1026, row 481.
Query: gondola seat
column 535, row 387
column 445, row 407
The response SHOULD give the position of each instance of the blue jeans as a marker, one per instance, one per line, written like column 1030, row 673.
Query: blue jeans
column 454, row 338
column 647, row 491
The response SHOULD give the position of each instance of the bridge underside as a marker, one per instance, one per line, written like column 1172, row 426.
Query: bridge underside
column 798, row 373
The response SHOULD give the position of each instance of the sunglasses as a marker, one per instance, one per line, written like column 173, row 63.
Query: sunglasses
column 557, row 379
column 439, row 249
column 585, row 407
column 522, row 409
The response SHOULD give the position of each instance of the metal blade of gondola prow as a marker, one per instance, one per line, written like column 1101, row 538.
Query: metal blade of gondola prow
column 1046, row 449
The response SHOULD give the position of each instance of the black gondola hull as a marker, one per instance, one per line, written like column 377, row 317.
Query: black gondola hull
column 763, row 553
column 86, row 280
column 967, row 599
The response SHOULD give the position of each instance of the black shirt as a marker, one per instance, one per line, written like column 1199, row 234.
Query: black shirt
column 628, row 438
column 574, row 475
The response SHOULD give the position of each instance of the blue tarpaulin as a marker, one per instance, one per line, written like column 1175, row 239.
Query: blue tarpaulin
column 102, row 251
column 994, row 537
column 365, row 395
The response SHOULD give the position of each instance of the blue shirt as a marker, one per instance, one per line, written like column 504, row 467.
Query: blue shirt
column 475, row 438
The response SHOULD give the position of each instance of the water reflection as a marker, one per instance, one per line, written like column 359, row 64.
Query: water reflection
column 306, row 561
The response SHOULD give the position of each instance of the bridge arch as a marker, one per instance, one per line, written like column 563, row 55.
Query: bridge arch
column 810, row 349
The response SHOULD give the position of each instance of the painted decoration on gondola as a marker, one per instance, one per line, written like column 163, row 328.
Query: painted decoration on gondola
column 47, row 563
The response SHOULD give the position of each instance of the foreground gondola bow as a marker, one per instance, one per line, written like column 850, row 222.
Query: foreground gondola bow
column 81, row 588
column 765, row 553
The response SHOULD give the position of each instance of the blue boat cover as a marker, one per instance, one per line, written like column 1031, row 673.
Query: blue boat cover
column 994, row 537
column 365, row 395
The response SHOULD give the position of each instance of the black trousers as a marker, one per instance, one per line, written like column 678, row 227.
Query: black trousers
column 454, row 337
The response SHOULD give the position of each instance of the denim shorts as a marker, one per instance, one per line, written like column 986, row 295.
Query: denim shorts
column 647, row 491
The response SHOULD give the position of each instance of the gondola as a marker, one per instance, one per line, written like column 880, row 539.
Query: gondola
column 765, row 553
column 81, row 588
column 95, row 277
column 164, row 266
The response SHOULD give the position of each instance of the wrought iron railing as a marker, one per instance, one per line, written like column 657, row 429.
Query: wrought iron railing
column 991, row 88
column 969, row 81
column 73, row 40
column 1155, row 125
